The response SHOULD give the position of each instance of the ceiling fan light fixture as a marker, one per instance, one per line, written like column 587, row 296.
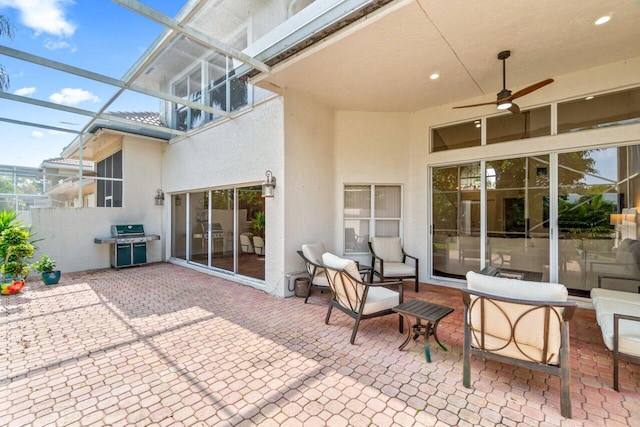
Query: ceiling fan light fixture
column 504, row 105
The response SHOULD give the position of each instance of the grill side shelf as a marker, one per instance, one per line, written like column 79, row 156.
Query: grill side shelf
column 101, row 240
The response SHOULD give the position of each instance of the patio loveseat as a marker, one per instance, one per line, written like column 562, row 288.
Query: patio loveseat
column 521, row 323
column 618, row 315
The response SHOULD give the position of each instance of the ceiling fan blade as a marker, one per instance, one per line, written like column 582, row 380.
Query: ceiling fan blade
column 514, row 108
column 477, row 105
column 530, row 89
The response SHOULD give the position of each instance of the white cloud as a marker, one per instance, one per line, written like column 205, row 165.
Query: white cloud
column 43, row 16
column 25, row 91
column 37, row 134
column 59, row 45
column 72, row 96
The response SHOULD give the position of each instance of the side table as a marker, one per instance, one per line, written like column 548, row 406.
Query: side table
column 422, row 310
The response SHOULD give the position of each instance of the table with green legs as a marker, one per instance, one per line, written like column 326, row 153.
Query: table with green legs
column 429, row 312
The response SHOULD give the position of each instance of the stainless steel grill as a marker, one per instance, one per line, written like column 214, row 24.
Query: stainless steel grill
column 129, row 245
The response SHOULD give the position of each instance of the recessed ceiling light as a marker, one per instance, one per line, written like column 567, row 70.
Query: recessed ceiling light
column 434, row 76
column 602, row 20
column 588, row 98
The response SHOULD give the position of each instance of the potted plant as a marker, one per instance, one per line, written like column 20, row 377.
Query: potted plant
column 14, row 248
column 258, row 224
column 47, row 269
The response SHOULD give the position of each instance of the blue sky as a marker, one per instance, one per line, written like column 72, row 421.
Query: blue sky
column 96, row 35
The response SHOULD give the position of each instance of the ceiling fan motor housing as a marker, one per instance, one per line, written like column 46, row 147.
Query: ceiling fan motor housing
column 504, row 93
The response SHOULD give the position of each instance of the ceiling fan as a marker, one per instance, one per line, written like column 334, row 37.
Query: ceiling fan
column 505, row 97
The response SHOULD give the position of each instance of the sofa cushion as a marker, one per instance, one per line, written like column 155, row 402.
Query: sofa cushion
column 629, row 342
column 598, row 293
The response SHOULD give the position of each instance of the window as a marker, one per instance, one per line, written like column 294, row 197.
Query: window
column 189, row 88
column 462, row 135
column 611, row 109
column 109, row 181
column 527, row 124
column 370, row 210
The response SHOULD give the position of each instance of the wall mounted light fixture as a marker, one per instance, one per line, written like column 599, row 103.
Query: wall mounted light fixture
column 159, row 197
column 269, row 185
column 178, row 200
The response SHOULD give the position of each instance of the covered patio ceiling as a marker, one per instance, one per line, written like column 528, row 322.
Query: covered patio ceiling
column 380, row 61
column 383, row 62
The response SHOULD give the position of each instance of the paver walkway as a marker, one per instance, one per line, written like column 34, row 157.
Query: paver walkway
column 168, row 346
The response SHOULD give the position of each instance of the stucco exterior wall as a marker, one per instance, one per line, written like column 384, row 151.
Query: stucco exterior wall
column 67, row 233
column 372, row 148
column 236, row 153
column 311, row 200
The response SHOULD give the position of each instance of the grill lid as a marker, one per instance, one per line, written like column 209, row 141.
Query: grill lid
column 127, row 230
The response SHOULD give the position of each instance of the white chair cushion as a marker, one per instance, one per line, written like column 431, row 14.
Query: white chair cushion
column 313, row 252
column 336, row 263
column 629, row 342
column 320, row 279
column 398, row 269
column 347, row 290
column 379, row 299
column 597, row 293
column 516, row 289
column 499, row 316
column 387, row 248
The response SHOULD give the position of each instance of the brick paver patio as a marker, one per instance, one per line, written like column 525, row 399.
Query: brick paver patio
column 164, row 345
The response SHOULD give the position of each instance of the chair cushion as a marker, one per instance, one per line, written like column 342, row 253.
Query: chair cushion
column 379, row 299
column 334, row 262
column 598, row 293
column 629, row 342
column 528, row 336
column 313, row 252
column 347, row 291
column 387, row 248
column 320, row 279
column 398, row 269
column 516, row 289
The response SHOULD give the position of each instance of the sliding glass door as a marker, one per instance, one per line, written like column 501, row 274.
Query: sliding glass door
column 226, row 230
column 518, row 214
column 500, row 213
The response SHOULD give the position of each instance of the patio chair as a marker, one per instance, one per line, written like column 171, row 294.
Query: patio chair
column 312, row 256
column 258, row 245
column 521, row 323
column 246, row 244
column 356, row 298
column 389, row 260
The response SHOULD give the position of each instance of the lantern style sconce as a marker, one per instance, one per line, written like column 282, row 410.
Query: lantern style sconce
column 269, row 185
column 178, row 200
column 159, row 197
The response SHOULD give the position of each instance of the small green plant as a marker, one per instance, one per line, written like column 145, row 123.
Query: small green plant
column 258, row 223
column 15, row 246
column 44, row 265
